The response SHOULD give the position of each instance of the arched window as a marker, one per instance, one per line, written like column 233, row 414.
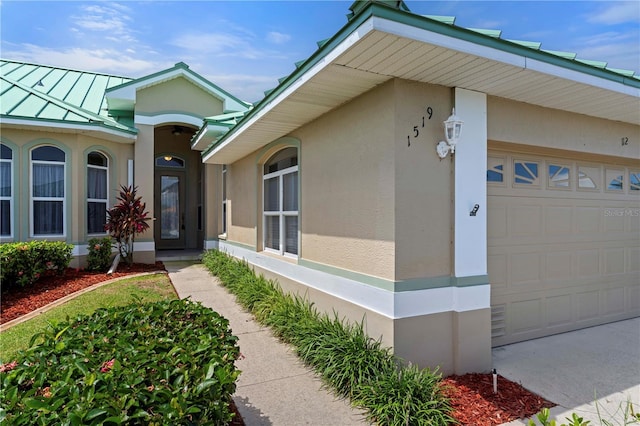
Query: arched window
column 47, row 191
column 97, row 192
column 6, row 191
column 280, row 203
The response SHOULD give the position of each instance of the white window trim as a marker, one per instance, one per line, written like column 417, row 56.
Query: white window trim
column 224, row 212
column 10, row 198
column 105, row 201
column 280, row 213
column 33, row 199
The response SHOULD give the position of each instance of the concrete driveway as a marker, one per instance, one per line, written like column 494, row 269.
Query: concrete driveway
column 574, row 369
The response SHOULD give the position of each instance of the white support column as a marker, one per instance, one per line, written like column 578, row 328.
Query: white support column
column 471, row 329
column 470, row 243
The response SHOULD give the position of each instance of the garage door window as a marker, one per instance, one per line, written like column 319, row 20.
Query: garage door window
column 526, row 173
column 559, row 176
column 634, row 181
column 588, row 177
column 495, row 169
column 614, row 179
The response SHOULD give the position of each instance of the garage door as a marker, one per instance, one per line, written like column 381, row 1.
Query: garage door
column 563, row 244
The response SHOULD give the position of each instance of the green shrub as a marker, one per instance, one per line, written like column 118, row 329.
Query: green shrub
column 169, row 362
column 99, row 258
column 126, row 219
column 353, row 364
column 24, row 263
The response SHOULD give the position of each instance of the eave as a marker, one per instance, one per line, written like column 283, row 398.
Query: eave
column 382, row 43
column 94, row 129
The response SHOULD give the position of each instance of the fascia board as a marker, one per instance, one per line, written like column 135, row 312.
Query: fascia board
column 579, row 77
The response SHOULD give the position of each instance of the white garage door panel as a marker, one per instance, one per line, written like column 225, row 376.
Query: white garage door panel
column 563, row 252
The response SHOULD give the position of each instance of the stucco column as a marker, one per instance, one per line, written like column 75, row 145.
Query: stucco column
column 143, row 179
column 472, row 314
column 212, row 204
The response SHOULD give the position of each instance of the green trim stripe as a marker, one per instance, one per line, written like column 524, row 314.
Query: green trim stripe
column 398, row 286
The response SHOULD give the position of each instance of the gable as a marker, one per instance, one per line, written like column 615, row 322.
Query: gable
column 177, row 95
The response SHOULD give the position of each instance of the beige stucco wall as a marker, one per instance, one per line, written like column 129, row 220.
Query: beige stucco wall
column 212, row 199
column 517, row 122
column 423, row 182
column 177, row 95
column 242, row 201
column 347, row 185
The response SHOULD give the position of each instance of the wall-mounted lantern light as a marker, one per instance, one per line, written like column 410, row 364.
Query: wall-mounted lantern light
column 452, row 128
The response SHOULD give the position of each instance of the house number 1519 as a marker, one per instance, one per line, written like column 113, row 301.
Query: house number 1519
column 416, row 132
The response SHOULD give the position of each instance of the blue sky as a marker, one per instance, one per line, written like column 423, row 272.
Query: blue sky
column 245, row 46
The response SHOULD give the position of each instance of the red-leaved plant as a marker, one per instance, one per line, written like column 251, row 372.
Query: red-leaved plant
column 126, row 219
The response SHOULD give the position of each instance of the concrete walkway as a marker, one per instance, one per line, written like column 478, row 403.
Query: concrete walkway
column 274, row 388
column 583, row 371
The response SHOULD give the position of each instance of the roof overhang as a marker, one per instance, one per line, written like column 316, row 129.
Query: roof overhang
column 382, row 43
column 96, row 130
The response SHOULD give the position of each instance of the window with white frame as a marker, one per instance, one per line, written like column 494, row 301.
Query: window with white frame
column 47, row 191
column 280, row 203
column 6, row 191
column 97, row 192
column 224, row 200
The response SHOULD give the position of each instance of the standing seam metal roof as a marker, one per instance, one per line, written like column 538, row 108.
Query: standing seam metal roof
column 32, row 91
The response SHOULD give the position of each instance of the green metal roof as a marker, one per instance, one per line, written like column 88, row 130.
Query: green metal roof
column 39, row 92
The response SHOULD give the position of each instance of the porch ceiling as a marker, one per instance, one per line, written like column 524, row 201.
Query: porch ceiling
column 380, row 50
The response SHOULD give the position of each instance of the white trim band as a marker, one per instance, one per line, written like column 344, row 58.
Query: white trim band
column 394, row 305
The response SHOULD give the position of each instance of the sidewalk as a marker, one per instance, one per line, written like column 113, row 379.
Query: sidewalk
column 274, row 388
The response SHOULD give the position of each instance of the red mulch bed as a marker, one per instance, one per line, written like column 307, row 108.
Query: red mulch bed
column 474, row 402
column 471, row 395
column 21, row 301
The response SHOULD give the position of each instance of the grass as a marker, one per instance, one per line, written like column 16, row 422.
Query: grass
column 149, row 288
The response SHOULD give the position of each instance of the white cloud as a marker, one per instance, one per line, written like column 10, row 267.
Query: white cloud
column 619, row 50
column 617, row 13
column 223, row 45
column 278, row 38
column 111, row 18
column 109, row 61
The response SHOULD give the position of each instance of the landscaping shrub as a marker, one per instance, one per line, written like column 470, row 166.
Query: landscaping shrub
column 169, row 362
column 99, row 258
column 126, row 219
column 23, row 263
column 353, row 364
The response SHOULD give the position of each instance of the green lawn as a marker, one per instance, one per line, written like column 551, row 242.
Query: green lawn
column 149, row 288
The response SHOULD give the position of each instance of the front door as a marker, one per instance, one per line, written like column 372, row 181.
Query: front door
column 170, row 210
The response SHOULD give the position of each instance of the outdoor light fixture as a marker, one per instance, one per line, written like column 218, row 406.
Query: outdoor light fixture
column 452, row 128
column 177, row 131
column 168, row 158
